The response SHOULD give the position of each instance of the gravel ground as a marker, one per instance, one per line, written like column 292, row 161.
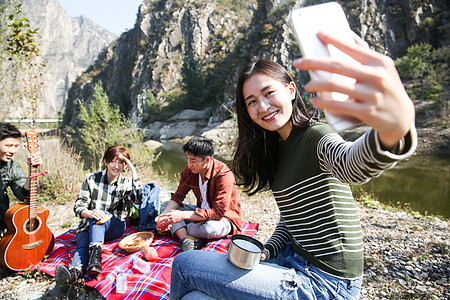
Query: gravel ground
column 407, row 257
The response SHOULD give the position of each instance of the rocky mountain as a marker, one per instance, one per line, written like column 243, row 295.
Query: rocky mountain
column 68, row 45
column 144, row 71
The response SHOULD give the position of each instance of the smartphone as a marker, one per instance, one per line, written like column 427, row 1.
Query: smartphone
column 329, row 17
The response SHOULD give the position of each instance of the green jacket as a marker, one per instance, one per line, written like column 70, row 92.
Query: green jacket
column 11, row 175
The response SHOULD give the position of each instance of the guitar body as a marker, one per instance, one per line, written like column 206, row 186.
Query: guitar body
column 25, row 244
column 28, row 238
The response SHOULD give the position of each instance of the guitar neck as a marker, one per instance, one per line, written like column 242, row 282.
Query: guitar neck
column 32, row 145
column 33, row 193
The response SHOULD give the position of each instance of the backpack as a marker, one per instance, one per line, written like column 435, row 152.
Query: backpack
column 149, row 208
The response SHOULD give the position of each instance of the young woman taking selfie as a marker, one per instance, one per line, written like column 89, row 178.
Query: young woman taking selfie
column 316, row 250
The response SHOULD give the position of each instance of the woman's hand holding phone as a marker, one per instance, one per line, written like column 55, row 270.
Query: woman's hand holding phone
column 380, row 99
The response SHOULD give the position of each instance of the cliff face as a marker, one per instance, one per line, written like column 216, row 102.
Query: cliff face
column 68, row 45
column 149, row 58
column 222, row 38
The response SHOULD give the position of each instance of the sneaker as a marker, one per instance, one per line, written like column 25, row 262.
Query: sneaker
column 191, row 243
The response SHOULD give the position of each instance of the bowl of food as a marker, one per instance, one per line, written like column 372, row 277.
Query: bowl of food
column 137, row 241
column 244, row 251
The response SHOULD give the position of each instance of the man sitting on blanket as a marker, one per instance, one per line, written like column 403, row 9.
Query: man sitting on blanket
column 218, row 210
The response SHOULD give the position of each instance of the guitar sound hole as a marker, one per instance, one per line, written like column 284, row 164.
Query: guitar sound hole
column 32, row 225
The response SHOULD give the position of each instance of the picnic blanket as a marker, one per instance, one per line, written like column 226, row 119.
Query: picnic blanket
column 153, row 285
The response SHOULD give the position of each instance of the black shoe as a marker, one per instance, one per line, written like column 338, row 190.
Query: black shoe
column 95, row 260
column 65, row 277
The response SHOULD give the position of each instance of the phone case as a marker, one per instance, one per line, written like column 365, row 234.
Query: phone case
column 329, row 17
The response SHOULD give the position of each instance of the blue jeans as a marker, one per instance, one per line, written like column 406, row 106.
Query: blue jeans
column 208, row 275
column 97, row 234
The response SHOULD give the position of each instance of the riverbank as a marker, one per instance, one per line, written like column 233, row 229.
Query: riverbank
column 406, row 256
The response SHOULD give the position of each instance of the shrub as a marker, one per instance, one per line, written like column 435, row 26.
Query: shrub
column 142, row 159
column 65, row 172
column 417, row 63
column 428, row 68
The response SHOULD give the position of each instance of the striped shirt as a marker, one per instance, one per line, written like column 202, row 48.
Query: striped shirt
column 318, row 213
column 97, row 193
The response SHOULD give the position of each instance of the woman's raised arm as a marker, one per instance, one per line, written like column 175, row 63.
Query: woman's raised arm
column 380, row 99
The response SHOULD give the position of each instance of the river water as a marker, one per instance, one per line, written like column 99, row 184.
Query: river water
column 421, row 182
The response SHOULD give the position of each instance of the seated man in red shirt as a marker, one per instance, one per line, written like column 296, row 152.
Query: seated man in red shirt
column 218, row 210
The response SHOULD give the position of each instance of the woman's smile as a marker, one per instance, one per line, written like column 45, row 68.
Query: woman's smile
column 270, row 116
column 116, row 170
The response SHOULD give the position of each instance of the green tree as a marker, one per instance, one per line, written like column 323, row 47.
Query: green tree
column 193, row 83
column 103, row 125
column 151, row 106
column 21, row 67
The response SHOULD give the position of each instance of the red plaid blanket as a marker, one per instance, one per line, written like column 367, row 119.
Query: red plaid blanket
column 154, row 285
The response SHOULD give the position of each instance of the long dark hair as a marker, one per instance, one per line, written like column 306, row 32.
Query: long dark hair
column 256, row 154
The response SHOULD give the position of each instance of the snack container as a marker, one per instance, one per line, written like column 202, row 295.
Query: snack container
column 244, row 251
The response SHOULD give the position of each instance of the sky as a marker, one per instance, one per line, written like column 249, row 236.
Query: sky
column 116, row 16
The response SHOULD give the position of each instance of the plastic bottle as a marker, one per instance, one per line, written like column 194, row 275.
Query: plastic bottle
column 141, row 265
column 121, row 282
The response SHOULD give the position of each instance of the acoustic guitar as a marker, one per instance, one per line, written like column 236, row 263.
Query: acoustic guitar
column 28, row 239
